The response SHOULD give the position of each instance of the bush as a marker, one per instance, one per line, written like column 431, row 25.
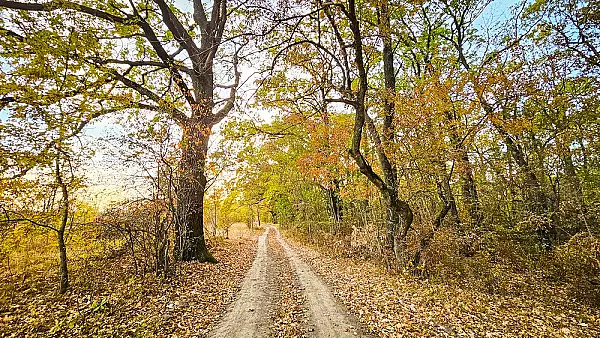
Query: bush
column 145, row 228
column 577, row 263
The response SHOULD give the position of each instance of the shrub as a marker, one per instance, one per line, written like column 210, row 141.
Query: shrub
column 577, row 263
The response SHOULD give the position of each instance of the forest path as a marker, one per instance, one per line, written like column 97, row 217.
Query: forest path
column 252, row 314
column 248, row 315
column 327, row 317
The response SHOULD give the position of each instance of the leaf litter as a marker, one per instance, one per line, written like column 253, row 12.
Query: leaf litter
column 398, row 305
column 107, row 300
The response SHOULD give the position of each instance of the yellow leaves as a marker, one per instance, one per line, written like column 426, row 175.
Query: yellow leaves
column 212, row 168
column 518, row 126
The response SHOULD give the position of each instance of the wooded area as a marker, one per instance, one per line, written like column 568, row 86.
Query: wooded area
column 445, row 142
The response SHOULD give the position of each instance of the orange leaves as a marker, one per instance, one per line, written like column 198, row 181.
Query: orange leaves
column 325, row 157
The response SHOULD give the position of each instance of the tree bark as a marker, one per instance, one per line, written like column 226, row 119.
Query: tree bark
column 399, row 218
column 190, row 243
column 258, row 215
column 449, row 205
column 64, row 271
column 465, row 174
column 424, row 242
column 399, row 215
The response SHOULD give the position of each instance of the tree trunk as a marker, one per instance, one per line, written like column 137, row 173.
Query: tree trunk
column 398, row 213
column 424, row 243
column 336, row 207
column 251, row 218
column 465, row 173
column 190, row 243
column 449, row 205
column 534, row 194
column 215, row 218
column 538, row 201
column 64, row 271
column 469, row 190
column 391, row 222
column 60, row 232
column 586, row 220
column 447, row 197
column 398, row 220
column 258, row 215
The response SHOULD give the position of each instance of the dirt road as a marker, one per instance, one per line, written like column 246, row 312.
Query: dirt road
column 267, row 290
column 247, row 317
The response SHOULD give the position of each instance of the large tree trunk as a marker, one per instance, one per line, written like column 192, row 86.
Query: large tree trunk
column 190, row 243
column 399, row 217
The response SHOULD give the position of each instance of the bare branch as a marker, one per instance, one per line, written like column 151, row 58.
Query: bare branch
column 218, row 116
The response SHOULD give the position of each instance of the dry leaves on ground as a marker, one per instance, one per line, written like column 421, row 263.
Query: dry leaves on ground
column 107, row 300
column 392, row 305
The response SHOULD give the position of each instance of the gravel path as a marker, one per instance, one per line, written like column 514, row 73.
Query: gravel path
column 256, row 308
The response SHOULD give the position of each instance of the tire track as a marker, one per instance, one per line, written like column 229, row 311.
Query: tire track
column 248, row 316
column 328, row 319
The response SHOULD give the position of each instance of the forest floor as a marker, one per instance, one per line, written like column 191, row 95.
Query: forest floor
column 266, row 285
column 107, row 300
column 391, row 304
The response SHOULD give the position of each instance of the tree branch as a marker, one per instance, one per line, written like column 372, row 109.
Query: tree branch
column 146, row 63
column 179, row 32
column 218, row 116
column 21, row 218
column 174, row 112
column 56, row 5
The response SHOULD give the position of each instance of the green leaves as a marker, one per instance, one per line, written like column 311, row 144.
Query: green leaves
column 98, row 306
